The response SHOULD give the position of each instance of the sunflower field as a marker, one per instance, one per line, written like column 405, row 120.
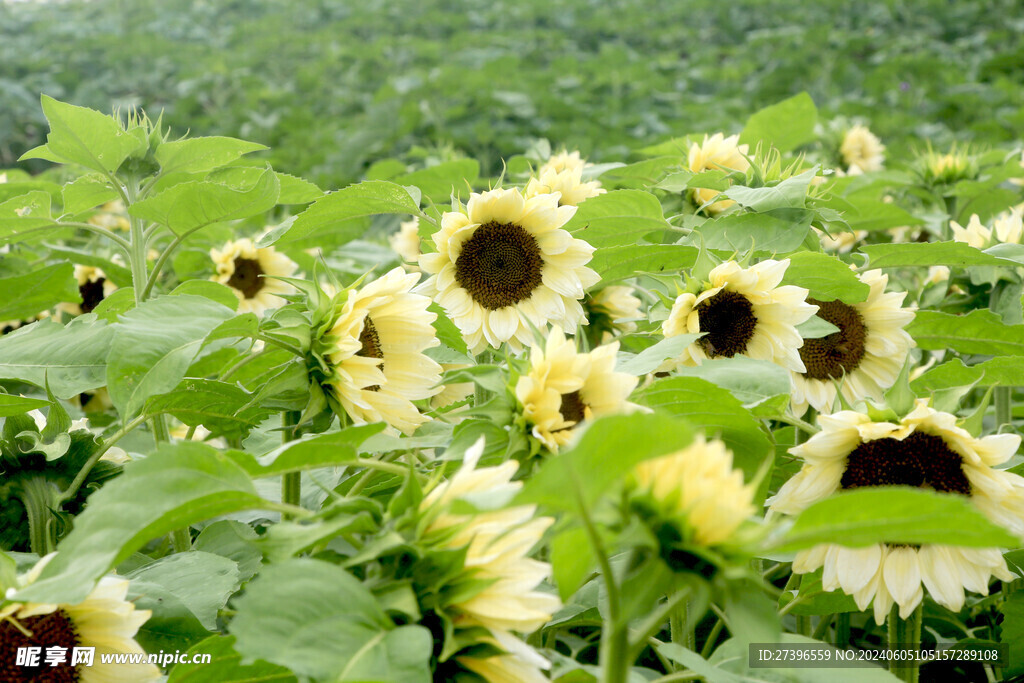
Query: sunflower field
column 450, row 342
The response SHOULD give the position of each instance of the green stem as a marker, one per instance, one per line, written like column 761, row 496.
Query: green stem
column 1004, row 406
column 41, row 500
column 245, row 360
column 83, row 473
column 821, row 629
column 162, row 259
column 678, row 624
column 614, row 648
column 905, row 632
column 709, row 646
column 654, row 623
column 116, row 239
column 291, row 482
column 842, row 630
column 803, row 625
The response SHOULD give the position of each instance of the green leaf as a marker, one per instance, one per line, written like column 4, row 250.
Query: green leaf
column 18, row 405
column 25, row 216
column 335, row 211
column 721, row 414
column 617, row 218
column 86, row 193
column 177, row 485
column 825, row 277
column 221, row 407
column 868, row 213
column 171, row 626
column 319, row 621
column 1012, row 610
column 294, row 190
column 816, row 328
column 814, row 600
column 780, row 231
column 154, row 344
column 26, row 295
column 607, row 450
column 1005, row 370
column 201, row 154
column 617, row 263
column 214, row 291
column 202, row 581
column 335, row 449
column 72, row 358
column 447, row 332
column 785, row 125
column 14, row 188
column 790, row 193
column 443, row 180
column 894, row 515
column 198, row 203
column 980, row 331
column 572, row 560
column 747, row 379
column 225, row 666
column 233, row 540
column 952, row 254
column 653, row 356
column 84, row 136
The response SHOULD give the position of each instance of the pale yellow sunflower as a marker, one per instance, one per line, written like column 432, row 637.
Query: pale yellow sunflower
column 927, row 450
column 1007, row 227
column 717, row 153
column 612, row 311
column 406, row 242
column 105, row 620
column 504, row 264
column 949, row 168
column 841, row 242
column 742, row 311
column 563, row 174
column 377, row 364
column 564, row 387
column 112, row 216
column 240, row 265
column 93, row 287
column 698, row 487
column 865, row 356
column 862, row 151
column 498, row 544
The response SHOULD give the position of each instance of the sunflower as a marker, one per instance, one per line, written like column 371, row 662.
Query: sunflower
column 240, row 266
column 611, row 312
column 717, row 153
column 563, row 174
column 865, row 355
column 699, row 488
column 564, row 387
column 927, row 450
column 93, row 287
column 497, row 546
column 862, row 151
column 742, row 311
column 104, row 621
column 1007, row 227
column 406, row 242
column 112, row 216
column 375, row 353
column 841, row 242
column 504, row 264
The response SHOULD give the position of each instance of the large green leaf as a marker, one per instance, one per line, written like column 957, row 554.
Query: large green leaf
column 197, row 203
column 617, row 218
column 336, row 210
column 617, row 263
column 84, row 136
column 73, row 359
column 202, row 581
column 18, row 405
column 233, row 540
column 25, row 216
column 27, row 295
column 825, row 277
column 747, row 379
column 894, row 515
column 225, row 666
column 721, row 414
column 87, row 192
column 336, row 449
column 785, row 125
column 154, row 344
column 201, row 154
column 221, row 407
column 980, row 331
column 653, row 356
column 790, row 193
column 607, row 450
column 1004, row 370
column 779, row 231
column 1013, row 632
column 443, row 180
column 176, row 486
column 952, row 254
column 319, row 621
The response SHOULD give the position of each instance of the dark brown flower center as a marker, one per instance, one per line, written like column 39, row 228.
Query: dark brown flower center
column 573, row 409
column 369, row 340
column 246, row 277
column 92, row 294
column 47, row 630
column 839, row 353
column 500, row 265
column 728, row 321
column 921, row 460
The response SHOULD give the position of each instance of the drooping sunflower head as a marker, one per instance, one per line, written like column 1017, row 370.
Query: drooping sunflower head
column 564, row 388
column 611, row 312
column 742, row 311
column 861, row 150
column 373, row 351
column 926, row 449
column 504, row 264
column 242, row 267
column 865, row 356
column 105, row 620
column 717, row 153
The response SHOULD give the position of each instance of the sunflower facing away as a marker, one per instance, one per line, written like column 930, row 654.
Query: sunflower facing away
column 563, row 173
column 505, row 263
column 611, row 312
column 564, row 388
column 927, row 450
column 742, row 311
column 862, row 151
column 717, row 153
column 240, row 266
column 377, row 365
column 406, row 242
column 104, row 620
column 498, row 544
column 865, row 356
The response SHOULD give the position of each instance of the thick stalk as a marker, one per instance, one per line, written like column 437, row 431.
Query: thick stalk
column 1004, row 406
column 40, row 499
column 291, row 482
column 905, row 632
column 678, row 624
column 842, row 630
